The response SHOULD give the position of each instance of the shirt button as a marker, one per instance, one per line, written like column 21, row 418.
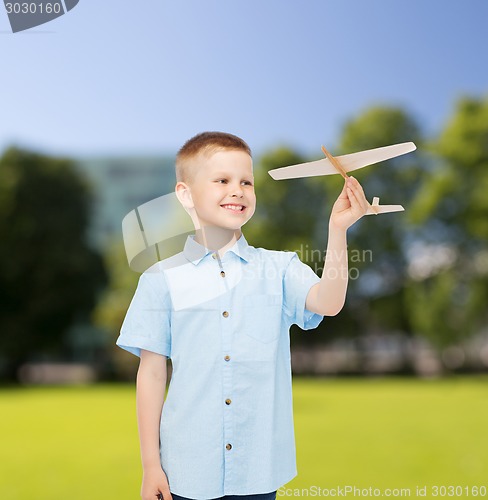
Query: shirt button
column 225, row 314
column 222, row 274
column 228, row 446
column 214, row 256
column 228, row 401
column 227, row 358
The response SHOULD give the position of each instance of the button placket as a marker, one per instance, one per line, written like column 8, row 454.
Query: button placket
column 216, row 256
column 226, row 323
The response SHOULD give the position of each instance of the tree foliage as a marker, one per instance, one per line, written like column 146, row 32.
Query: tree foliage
column 448, row 294
column 49, row 276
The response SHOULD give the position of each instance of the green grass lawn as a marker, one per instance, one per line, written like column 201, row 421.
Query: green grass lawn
column 81, row 443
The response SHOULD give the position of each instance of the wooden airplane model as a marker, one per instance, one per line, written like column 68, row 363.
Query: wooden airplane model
column 347, row 163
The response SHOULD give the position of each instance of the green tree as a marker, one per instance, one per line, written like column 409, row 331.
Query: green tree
column 379, row 242
column 448, row 294
column 111, row 309
column 49, row 276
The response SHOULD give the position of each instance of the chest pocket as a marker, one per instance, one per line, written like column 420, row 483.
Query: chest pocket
column 262, row 317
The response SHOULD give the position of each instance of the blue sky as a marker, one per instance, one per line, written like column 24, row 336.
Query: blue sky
column 118, row 77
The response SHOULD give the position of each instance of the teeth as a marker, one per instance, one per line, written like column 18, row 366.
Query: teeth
column 233, row 207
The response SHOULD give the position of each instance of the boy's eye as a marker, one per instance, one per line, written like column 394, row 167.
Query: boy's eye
column 249, row 183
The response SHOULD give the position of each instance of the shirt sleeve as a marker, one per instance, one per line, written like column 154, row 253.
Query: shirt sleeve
column 147, row 322
column 298, row 280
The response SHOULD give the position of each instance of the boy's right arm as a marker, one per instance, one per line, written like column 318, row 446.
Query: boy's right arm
column 151, row 387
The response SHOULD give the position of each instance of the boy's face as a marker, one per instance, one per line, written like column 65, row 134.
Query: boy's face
column 222, row 181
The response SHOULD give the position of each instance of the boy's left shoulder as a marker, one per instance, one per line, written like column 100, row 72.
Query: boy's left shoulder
column 281, row 256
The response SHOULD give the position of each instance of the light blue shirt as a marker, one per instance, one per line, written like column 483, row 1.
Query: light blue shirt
column 227, row 422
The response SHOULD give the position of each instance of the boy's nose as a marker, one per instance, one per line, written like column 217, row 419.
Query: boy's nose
column 237, row 190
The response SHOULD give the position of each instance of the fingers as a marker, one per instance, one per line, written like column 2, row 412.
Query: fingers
column 355, row 186
column 166, row 495
column 163, row 493
column 356, row 195
column 343, row 193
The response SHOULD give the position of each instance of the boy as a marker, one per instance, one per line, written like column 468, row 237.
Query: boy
column 221, row 310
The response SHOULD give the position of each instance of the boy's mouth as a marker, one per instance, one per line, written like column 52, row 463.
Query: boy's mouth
column 234, row 207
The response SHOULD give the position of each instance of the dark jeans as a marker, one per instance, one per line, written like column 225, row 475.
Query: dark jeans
column 260, row 496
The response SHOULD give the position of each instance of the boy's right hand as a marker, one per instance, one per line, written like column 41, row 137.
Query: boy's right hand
column 155, row 485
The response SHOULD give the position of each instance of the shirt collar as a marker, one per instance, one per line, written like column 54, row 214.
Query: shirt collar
column 194, row 252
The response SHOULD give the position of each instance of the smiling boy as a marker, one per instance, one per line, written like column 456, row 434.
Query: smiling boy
column 221, row 310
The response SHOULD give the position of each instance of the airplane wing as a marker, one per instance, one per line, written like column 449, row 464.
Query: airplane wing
column 309, row 169
column 349, row 162
column 375, row 208
column 362, row 159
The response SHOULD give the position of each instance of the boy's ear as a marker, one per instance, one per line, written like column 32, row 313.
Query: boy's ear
column 183, row 193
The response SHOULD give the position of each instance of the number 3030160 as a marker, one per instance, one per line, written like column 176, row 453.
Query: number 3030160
column 457, row 491
column 33, row 8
